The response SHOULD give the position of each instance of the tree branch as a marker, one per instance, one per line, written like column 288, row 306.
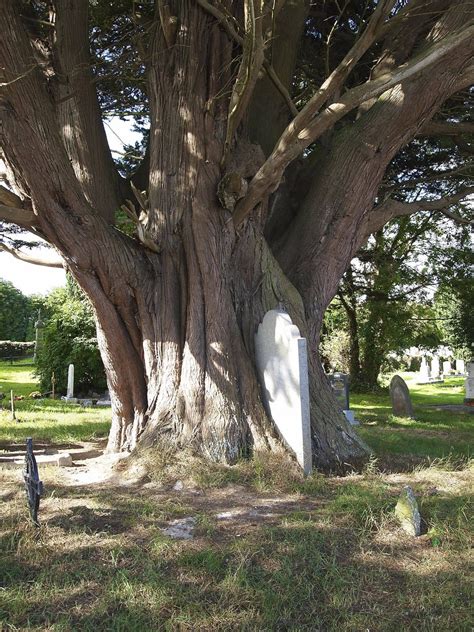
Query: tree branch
column 12, row 210
column 390, row 209
column 308, row 125
column 19, row 216
column 446, row 128
column 234, row 35
column 23, row 256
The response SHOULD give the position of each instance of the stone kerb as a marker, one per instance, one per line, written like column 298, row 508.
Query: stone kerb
column 282, row 363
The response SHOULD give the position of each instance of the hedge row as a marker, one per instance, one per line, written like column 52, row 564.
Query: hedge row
column 15, row 349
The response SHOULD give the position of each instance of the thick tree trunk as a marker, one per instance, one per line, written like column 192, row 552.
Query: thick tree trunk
column 178, row 306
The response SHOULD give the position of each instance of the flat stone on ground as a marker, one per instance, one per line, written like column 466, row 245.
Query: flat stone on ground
column 181, row 529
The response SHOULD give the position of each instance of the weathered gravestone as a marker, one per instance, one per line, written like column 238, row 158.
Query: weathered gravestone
column 340, row 387
column 400, row 396
column 408, row 513
column 282, row 364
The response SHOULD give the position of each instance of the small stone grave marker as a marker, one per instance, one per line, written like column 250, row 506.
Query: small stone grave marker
column 340, row 386
column 400, row 396
column 282, row 364
column 408, row 513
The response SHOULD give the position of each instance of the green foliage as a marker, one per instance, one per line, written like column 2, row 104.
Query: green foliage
column 15, row 349
column 454, row 304
column 15, row 312
column 335, row 349
column 70, row 337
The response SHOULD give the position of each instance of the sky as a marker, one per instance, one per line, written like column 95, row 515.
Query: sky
column 33, row 279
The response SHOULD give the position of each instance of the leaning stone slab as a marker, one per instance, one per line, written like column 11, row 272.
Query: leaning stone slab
column 400, row 396
column 408, row 513
column 282, row 364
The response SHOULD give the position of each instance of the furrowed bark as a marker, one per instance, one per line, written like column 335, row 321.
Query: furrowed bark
column 78, row 110
column 177, row 310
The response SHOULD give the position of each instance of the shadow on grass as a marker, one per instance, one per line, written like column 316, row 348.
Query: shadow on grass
column 104, row 564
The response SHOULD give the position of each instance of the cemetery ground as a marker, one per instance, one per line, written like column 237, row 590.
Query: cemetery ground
column 269, row 550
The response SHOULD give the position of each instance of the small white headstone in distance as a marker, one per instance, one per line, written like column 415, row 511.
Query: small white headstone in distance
column 425, row 371
column 282, row 364
column 70, row 382
column 435, row 370
column 460, row 367
column 446, row 367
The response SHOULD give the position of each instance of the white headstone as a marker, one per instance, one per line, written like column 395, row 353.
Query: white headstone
column 70, row 382
column 282, row 364
column 447, row 367
column 435, row 371
column 425, row 371
column 469, row 383
column 460, row 368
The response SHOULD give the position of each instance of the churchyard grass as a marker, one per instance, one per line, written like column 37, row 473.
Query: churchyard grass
column 432, row 434
column 300, row 554
column 45, row 420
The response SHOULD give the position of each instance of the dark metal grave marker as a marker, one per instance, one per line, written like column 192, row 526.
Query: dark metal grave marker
column 33, row 485
column 340, row 387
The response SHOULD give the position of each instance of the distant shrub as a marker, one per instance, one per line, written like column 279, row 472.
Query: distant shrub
column 15, row 349
column 70, row 338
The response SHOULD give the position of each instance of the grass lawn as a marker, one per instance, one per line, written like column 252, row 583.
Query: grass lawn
column 45, row 420
column 271, row 550
column 432, row 434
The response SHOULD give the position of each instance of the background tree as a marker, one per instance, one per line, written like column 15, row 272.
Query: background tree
column 70, row 337
column 16, row 313
column 388, row 289
column 271, row 128
column 454, row 300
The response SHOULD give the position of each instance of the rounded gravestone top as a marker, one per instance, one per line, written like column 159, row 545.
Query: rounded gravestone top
column 400, row 396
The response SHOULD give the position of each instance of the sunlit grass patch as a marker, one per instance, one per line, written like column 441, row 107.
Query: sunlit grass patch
column 100, row 561
column 48, row 420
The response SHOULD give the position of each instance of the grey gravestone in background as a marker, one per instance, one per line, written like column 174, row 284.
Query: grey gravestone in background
column 282, row 363
column 400, row 396
column 469, row 383
column 340, row 386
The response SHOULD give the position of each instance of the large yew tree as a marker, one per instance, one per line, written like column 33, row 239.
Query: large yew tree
column 272, row 124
